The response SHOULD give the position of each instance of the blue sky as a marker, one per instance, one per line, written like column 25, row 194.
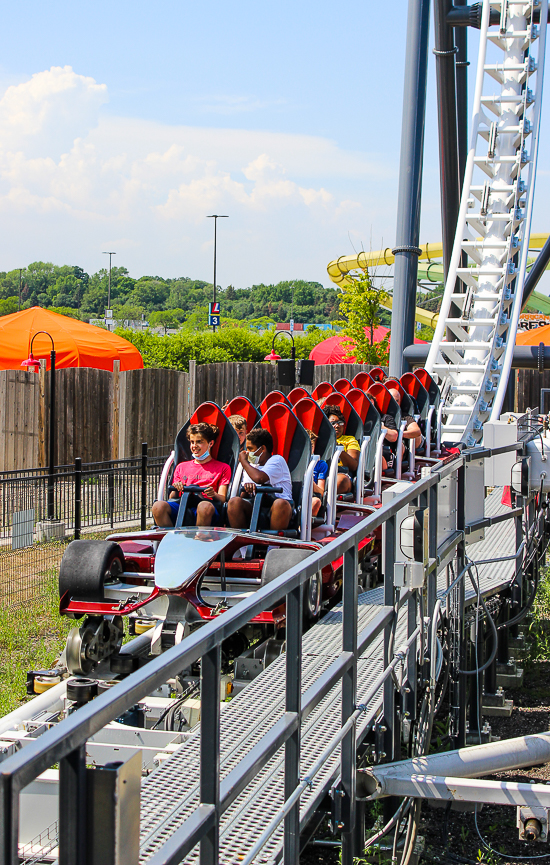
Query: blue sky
column 123, row 124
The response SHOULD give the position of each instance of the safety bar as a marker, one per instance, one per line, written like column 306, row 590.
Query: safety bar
column 439, row 421
column 378, row 463
column 307, row 500
column 399, row 450
column 428, row 430
column 332, row 490
column 361, row 468
column 161, row 492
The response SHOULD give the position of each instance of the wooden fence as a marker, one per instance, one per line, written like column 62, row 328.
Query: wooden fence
column 102, row 415
column 19, row 419
column 528, row 386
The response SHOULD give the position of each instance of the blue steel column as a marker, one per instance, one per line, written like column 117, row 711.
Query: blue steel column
column 445, row 51
column 410, row 184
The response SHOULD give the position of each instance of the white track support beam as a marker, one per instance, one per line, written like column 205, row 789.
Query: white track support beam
column 468, row 790
column 475, row 335
column 462, row 763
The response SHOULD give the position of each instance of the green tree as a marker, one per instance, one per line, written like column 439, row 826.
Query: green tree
column 66, row 310
column 360, row 307
column 164, row 318
column 8, row 305
column 198, row 320
column 149, row 292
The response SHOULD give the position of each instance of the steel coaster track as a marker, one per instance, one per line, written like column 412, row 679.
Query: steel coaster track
column 475, row 336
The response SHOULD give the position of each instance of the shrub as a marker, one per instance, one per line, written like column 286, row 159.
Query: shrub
column 227, row 344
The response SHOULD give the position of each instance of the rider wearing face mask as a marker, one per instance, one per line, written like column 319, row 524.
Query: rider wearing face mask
column 203, row 471
column 261, row 466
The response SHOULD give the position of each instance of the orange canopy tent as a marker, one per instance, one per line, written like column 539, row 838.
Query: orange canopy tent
column 534, row 336
column 76, row 343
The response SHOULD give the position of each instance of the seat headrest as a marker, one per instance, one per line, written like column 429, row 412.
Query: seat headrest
column 309, row 414
column 429, row 384
column 410, row 384
column 323, row 389
column 242, row 405
column 296, row 394
column 273, row 397
column 378, row 374
column 359, row 401
column 382, row 397
column 362, row 380
column 395, row 384
column 343, row 385
column 282, row 424
column 209, row 412
column 340, row 401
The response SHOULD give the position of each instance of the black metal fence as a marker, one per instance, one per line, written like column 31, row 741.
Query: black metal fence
column 85, row 494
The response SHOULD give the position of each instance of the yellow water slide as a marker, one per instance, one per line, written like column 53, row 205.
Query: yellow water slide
column 340, row 269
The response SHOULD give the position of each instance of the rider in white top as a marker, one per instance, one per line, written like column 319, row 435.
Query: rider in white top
column 262, row 467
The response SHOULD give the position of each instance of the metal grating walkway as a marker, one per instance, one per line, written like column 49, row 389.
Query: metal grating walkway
column 171, row 793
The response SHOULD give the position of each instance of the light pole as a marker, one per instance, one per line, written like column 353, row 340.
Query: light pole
column 33, row 363
column 215, row 217
column 110, row 254
column 20, row 269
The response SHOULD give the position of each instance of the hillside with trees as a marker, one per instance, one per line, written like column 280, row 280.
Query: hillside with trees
column 165, row 302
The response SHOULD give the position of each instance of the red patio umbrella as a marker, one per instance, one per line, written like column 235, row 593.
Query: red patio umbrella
column 336, row 349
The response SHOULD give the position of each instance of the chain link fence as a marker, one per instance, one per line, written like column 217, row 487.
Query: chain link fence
column 112, row 494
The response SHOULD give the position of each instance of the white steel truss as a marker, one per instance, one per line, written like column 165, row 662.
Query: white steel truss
column 476, row 331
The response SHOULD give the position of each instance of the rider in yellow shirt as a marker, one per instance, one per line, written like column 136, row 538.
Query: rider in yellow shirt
column 349, row 458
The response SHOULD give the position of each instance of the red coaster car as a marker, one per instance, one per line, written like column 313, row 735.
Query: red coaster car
column 177, row 579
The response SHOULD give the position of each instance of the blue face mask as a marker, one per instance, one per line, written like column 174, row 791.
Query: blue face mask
column 204, row 456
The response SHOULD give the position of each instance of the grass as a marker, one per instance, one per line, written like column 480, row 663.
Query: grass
column 32, row 636
column 539, row 625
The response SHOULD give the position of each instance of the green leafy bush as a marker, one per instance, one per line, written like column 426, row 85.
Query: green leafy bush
column 227, row 344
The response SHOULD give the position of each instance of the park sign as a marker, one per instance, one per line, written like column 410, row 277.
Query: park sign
column 214, row 313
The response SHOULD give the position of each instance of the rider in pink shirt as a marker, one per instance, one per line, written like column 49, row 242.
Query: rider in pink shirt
column 204, row 471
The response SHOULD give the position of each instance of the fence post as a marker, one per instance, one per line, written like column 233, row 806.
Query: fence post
column 461, row 686
column 41, row 414
column 391, row 732
column 115, row 427
column 349, row 700
column 143, row 486
column 192, row 386
column 293, row 701
column 77, row 497
column 111, row 491
column 72, row 807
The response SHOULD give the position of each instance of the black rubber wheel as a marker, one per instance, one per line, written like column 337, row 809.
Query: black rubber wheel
column 105, row 685
column 123, row 665
column 278, row 561
column 311, row 600
column 85, row 567
column 81, row 690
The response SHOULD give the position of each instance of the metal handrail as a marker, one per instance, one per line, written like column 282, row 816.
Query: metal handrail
column 68, row 738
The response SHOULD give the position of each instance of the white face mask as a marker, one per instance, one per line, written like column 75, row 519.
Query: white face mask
column 253, row 459
column 203, row 456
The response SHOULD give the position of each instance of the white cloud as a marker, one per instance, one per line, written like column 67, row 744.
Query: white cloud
column 45, row 115
column 73, row 179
